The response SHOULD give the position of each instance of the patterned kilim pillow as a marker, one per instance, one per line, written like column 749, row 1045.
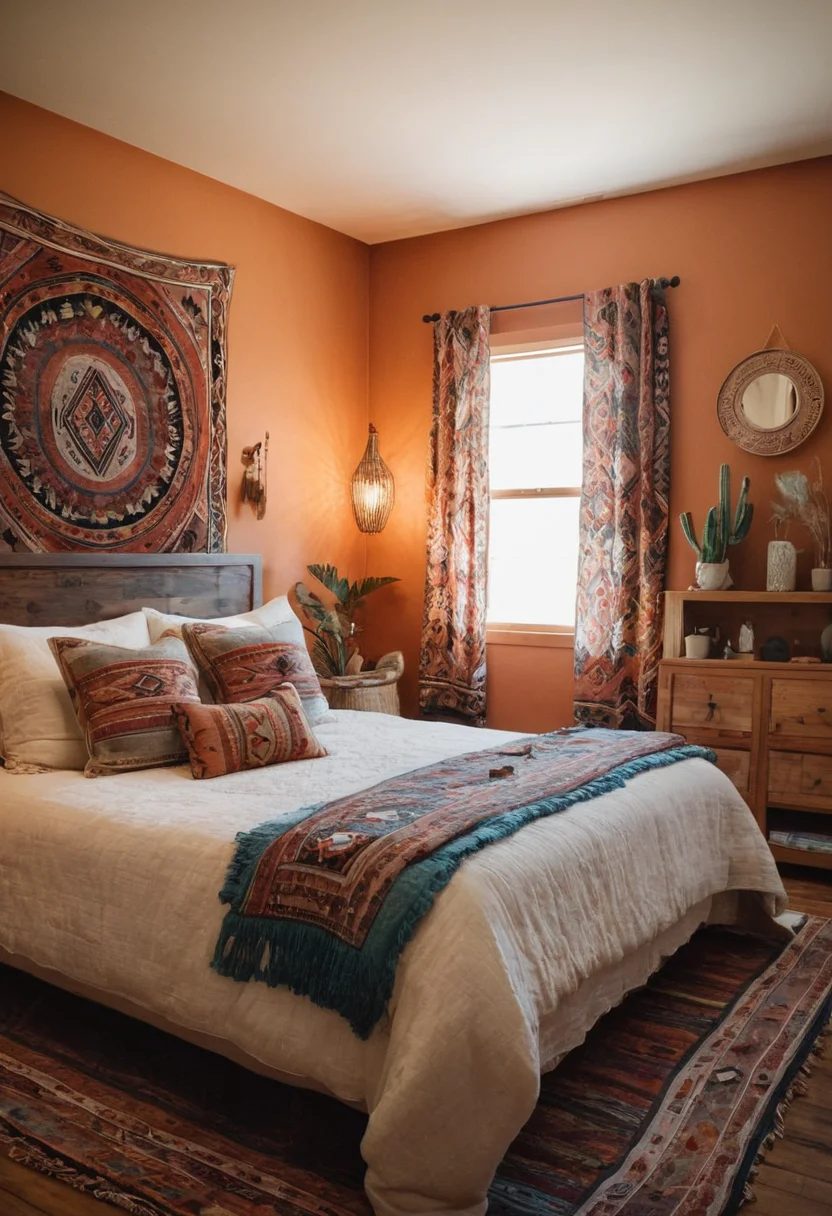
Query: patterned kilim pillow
column 124, row 701
column 232, row 738
column 248, row 662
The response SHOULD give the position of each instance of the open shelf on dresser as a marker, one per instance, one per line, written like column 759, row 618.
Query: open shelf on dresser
column 801, row 857
column 770, row 724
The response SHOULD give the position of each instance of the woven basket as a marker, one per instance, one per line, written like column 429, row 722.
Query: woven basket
column 371, row 691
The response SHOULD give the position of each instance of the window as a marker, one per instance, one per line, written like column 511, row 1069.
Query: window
column 535, row 469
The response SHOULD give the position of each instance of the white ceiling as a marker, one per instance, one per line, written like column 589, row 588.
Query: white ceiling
column 390, row 118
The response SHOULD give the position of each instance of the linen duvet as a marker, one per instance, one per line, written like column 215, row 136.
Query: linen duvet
column 110, row 888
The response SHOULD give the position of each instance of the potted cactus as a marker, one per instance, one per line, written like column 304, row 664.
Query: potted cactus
column 712, row 565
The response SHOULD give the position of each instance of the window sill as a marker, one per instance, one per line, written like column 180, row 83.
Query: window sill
column 563, row 639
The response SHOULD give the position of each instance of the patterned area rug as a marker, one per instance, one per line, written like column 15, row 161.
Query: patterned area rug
column 662, row 1112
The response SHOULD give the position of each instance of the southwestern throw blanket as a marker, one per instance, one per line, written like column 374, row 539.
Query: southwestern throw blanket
column 325, row 900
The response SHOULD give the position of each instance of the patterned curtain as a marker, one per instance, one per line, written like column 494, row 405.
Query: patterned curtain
column 452, row 666
column 624, row 506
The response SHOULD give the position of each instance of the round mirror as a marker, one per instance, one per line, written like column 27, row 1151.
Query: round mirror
column 770, row 402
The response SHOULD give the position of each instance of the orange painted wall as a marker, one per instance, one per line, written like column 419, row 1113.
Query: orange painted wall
column 297, row 323
column 752, row 249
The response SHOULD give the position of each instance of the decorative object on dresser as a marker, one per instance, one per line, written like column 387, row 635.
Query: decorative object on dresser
column 826, row 644
column 770, row 402
column 113, row 366
column 769, row 721
column 256, row 459
column 372, row 488
column 775, row 650
column 712, row 567
column 698, row 643
column 336, row 629
column 807, row 502
column 781, row 565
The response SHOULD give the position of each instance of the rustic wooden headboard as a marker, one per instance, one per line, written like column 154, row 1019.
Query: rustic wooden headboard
column 70, row 589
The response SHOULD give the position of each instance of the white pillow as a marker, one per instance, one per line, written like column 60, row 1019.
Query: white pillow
column 38, row 727
column 277, row 612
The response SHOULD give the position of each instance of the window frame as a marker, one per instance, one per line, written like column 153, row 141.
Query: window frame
column 512, row 633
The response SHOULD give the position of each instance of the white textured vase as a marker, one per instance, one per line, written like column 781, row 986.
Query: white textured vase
column 781, row 570
column 713, row 576
column 821, row 579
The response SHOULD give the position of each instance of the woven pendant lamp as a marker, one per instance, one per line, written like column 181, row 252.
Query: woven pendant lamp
column 372, row 488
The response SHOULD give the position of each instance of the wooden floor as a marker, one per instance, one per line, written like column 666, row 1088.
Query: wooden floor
column 795, row 1180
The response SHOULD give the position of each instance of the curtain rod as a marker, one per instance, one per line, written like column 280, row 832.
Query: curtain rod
column 663, row 282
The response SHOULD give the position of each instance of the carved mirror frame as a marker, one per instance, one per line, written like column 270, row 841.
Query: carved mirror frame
column 774, row 440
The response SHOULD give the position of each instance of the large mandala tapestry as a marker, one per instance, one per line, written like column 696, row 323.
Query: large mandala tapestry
column 112, row 393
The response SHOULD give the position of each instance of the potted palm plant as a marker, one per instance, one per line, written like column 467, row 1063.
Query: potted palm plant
column 347, row 679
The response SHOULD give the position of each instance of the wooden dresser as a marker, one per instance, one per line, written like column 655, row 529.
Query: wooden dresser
column 770, row 724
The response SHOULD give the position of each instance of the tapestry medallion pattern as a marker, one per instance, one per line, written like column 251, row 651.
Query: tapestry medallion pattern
column 112, row 393
column 452, row 662
column 624, row 506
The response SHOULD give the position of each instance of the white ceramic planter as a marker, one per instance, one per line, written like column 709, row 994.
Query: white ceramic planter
column 781, row 570
column 821, row 579
column 713, row 576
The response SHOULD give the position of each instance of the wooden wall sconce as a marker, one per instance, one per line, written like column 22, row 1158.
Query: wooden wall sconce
column 255, row 476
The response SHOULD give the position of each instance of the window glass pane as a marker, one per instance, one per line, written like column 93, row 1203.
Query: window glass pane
column 528, row 457
column 545, row 388
column 533, row 561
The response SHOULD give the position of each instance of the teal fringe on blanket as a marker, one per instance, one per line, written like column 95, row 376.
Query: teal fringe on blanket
column 358, row 983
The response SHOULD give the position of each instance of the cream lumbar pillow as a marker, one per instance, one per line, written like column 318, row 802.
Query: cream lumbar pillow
column 276, row 612
column 38, row 727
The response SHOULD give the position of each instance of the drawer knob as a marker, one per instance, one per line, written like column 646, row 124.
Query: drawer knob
column 712, row 708
column 816, row 781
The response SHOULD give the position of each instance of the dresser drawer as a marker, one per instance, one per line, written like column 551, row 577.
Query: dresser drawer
column 736, row 765
column 705, row 702
column 801, row 708
column 799, row 775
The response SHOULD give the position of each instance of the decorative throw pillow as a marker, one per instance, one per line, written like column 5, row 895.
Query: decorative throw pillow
column 276, row 612
column 38, row 728
column 124, row 701
column 245, row 663
column 225, row 739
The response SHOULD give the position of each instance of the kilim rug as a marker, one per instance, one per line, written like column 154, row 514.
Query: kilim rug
column 662, row 1112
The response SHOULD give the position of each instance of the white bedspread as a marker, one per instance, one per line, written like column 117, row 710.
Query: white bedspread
column 114, row 882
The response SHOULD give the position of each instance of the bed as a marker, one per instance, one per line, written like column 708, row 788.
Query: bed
column 109, row 888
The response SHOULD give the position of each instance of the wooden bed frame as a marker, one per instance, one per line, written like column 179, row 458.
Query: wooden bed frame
column 71, row 589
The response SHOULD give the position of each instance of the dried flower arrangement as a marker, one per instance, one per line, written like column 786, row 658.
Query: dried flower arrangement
column 807, row 502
